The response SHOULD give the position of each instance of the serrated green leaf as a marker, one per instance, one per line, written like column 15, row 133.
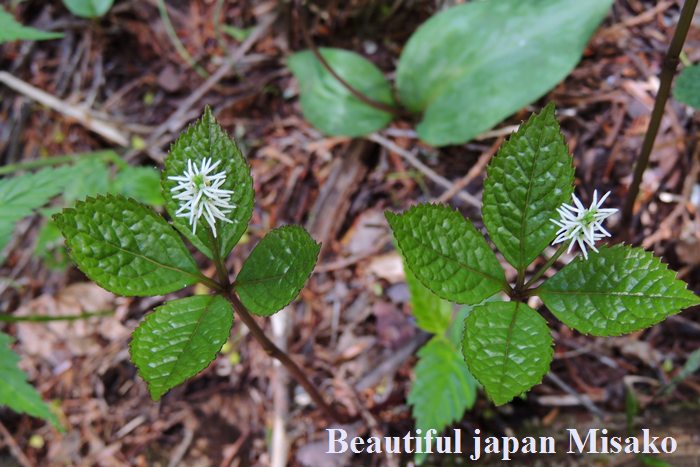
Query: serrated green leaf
column 140, row 183
column 507, row 347
column 470, row 66
column 328, row 105
column 206, row 139
column 179, row 339
column 11, row 30
column 276, row 270
column 88, row 8
column 446, row 253
column 687, row 88
column 20, row 196
column 529, row 178
column 442, row 388
column 15, row 392
column 432, row 313
column 618, row 290
column 125, row 247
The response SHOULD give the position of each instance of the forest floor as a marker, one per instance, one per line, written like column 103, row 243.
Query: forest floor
column 352, row 328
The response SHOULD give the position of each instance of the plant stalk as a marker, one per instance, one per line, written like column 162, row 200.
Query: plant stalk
column 226, row 290
column 668, row 70
column 540, row 272
column 275, row 352
column 397, row 112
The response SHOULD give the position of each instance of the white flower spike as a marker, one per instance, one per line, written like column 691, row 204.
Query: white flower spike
column 200, row 194
column 581, row 225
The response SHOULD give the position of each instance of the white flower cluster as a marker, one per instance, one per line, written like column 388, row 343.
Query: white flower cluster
column 200, row 194
column 581, row 225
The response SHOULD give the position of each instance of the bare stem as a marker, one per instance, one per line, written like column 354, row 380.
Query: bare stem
column 540, row 272
column 226, row 290
column 397, row 112
column 275, row 352
column 668, row 70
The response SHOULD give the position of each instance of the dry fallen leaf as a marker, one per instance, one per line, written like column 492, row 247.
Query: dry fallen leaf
column 59, row 341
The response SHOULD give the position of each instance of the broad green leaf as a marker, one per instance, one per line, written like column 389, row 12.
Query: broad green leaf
column 469, row 67
column 529, row 178
column 508, row 348
column 11, row 30
column 125, row 247
column 88, row 8
column 206, row 139
column 140, row 183
column 618, row 290
column 15, row 392
column 276, row 270
column 446, row 253
column 687, row 88
column 432, row 313
column 328, row 105
column 442, row 388
column 179, row 339
column 20, row 196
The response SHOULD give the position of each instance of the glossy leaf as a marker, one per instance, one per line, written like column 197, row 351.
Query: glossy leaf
column 446, row 253
column 276, row 270
column 529, row 178
column 687, row 88
column 88, row 8
column 616, row 291
column 15, row 392
column 507, row 347
column 432, row 313
column 179, row 339
column 126, row 247
column 443, row 388
column 328, row 105
column 470, row 66
column 206, row 139
column 12, row 30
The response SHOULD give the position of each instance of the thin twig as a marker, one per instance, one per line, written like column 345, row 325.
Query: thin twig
column 582, row 398
column 427, row 171
column 275, row 352
column 177, row 43
column 85, row 116
column 668, row 70
column 177, row 120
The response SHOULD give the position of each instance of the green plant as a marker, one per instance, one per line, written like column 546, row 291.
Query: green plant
column 15, row 392
column 88, row 8
column 129, row 249
column 442, row 387
column 611, row 291
column 463, row 71
column 75, row 177
column 687, row 88
column 11, row 30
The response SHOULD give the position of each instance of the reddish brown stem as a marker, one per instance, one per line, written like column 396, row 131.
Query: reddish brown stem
column 275, row 352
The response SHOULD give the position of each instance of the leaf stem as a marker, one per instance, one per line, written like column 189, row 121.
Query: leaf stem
column 668, row 70
column 275, row 352
column 225, row 288
column 545, row 267
column 44, row 318
column 397, row 112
